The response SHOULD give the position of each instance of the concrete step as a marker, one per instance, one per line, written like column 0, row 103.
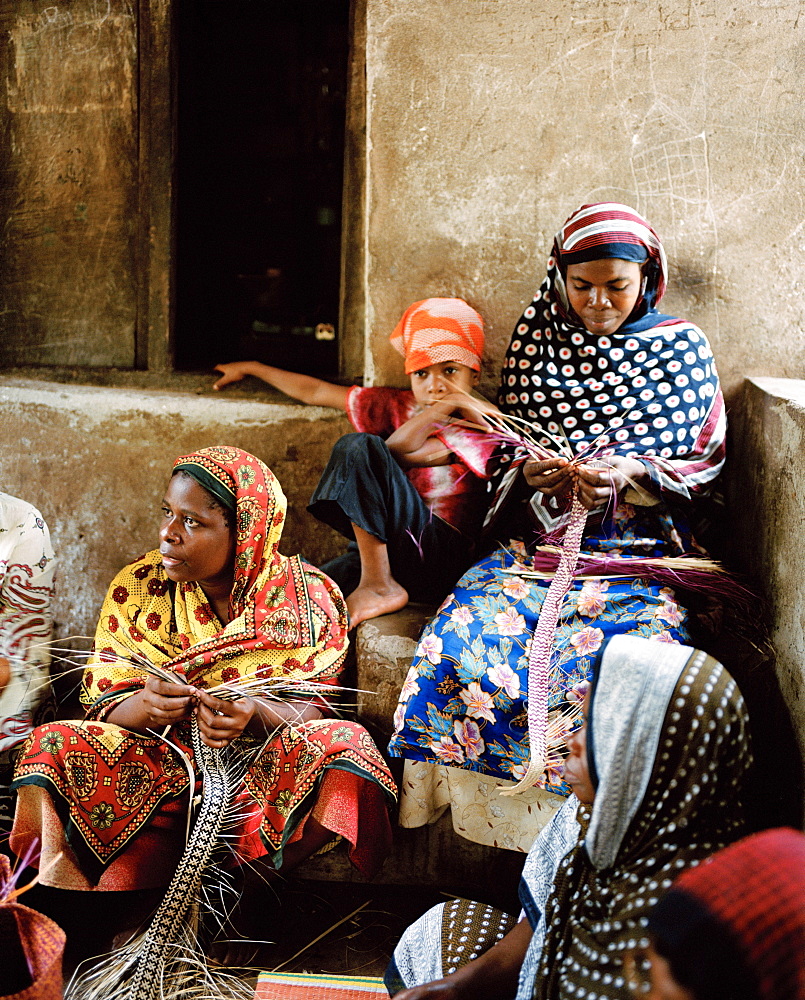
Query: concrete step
column 428, row 855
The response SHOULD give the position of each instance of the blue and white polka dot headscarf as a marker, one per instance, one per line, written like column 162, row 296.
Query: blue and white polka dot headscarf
column 646, row 390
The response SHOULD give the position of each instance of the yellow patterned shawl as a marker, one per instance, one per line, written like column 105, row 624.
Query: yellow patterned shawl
column 290, row 619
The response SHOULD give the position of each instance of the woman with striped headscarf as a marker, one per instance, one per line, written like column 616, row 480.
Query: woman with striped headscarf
column 626, row 402
column 658, row 772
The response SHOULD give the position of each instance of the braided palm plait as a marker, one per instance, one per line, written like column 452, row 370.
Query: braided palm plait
column 165, row 960
column 184, row 885
column 539, row 653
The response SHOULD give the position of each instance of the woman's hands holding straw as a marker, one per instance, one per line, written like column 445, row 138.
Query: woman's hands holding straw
column 162, row 704
column 600, row 482
column 165, row 701
column 553, row 477
column 220, row 722
column 159, row 705
column 596, row 482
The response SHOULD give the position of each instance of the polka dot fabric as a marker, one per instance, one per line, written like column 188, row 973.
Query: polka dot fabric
column 649, row 391
column 637, row 394
column 692, row 806
column 468, row 930
column 588, row 898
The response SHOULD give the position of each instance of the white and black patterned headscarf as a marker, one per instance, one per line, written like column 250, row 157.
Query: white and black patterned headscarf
column 650, row 390
column 668, row 751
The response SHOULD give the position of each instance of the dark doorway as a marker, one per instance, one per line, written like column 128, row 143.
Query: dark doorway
column 261, row 110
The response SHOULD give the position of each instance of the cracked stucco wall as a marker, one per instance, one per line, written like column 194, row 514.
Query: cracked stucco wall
column 96, row 461
column 489, row 121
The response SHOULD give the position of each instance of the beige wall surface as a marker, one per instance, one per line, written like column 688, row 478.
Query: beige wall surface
column 489, row 121
column 68, row 182
column 96, row 461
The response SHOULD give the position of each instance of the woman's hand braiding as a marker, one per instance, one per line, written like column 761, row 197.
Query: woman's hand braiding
column 220, row 722
column 164, row 703
column 600, row 482
column 553, row 477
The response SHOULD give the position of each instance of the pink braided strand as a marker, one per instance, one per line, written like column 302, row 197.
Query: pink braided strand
column 539, row 654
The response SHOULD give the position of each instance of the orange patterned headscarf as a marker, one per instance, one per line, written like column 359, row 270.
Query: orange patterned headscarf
column 437, row 330
column 288, row 618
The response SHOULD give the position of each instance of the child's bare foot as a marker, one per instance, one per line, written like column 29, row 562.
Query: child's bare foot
column 370, row 601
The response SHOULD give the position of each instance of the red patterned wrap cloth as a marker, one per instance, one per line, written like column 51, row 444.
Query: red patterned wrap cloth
column 288, row 622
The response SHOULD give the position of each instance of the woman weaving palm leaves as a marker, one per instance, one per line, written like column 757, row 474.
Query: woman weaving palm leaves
column 186, row 634
column 628, row 402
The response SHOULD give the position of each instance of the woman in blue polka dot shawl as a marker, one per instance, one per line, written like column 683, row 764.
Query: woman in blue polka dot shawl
column 595, row 370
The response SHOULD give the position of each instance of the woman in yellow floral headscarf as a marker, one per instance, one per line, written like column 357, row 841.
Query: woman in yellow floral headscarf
column 216, row 606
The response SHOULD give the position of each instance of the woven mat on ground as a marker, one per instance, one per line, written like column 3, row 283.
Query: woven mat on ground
column 310, row 986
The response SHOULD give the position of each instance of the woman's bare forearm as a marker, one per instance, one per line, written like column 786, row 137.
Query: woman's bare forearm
column 413, row 444
column 130, row 714
column 159, row 704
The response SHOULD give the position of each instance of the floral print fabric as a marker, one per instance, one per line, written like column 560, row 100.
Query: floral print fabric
column 463, row 702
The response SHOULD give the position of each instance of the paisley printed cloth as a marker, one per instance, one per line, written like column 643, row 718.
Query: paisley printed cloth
column 464, row 701
column 290, row 624
column 27, row 567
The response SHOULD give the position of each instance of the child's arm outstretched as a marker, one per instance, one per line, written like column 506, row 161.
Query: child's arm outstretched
column 305, row 388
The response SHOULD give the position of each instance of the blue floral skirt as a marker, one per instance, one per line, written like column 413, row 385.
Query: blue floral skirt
column 464, row 701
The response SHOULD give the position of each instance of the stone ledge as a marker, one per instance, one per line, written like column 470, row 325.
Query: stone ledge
column 433, row 854
column 95, row 461
column 430, row 855
column 385, row 648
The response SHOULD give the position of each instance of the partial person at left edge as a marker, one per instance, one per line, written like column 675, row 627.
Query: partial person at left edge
column 27, row 566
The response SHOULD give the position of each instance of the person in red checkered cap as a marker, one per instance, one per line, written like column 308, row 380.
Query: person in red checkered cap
column 733, row 928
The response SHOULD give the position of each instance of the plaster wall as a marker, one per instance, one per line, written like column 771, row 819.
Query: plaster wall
column 96, row 461
column 767, row 493
column 68, row 182
column 488, row 122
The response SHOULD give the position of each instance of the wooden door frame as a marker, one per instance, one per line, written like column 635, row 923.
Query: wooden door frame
column 354, row 221
column 157, row 132
column 158, row 146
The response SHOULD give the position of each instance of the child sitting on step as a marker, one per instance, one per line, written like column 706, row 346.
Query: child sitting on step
column 409, row 489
